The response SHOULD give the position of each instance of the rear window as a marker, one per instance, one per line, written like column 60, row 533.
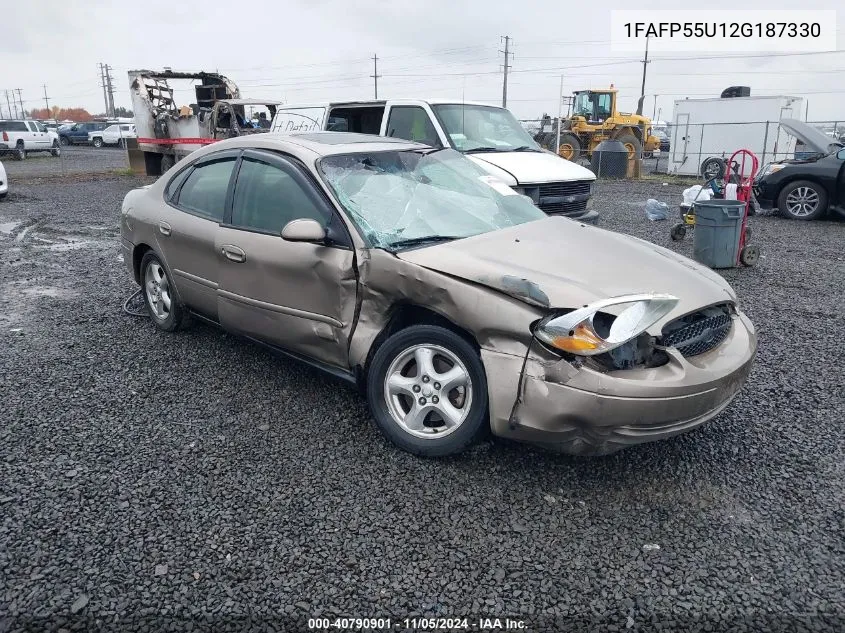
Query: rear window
column 13, row 126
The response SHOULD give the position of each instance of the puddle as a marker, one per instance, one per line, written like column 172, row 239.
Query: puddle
column 7, row 228
column 48, row 291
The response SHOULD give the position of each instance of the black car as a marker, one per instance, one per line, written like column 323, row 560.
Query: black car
column 805, row 188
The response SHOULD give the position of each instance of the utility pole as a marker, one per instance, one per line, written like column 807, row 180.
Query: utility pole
column 103, row 84
column 508, row 55
column 46, row 100
column 9, row 106
column 375, row 75
column 23, row 114
column 111, row 91
column 559, row 113
column 642, row 90
column 654, row 112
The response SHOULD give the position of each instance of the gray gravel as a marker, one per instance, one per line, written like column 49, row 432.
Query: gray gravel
column 75, row 159
column 150, row 479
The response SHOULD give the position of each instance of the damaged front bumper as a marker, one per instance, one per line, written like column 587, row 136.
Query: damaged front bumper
column 580, row 411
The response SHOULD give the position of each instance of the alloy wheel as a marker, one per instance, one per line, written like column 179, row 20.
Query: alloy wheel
column 157, row 287
column 428, row 391
column 802, row 201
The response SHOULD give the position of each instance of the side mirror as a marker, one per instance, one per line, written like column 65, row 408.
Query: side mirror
column 841, row 154
column 304, row 230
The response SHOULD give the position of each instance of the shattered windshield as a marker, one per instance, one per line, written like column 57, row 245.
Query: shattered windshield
column 483, row 128
column 409, row 198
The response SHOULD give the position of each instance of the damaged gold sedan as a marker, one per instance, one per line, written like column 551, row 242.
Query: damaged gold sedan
column 453, row 301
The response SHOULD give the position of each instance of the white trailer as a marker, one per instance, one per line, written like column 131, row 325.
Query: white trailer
column 705, row 132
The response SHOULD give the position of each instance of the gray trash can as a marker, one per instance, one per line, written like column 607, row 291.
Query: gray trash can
column 718, row 226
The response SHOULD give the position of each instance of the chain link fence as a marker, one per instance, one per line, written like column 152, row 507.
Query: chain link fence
column 698, row 150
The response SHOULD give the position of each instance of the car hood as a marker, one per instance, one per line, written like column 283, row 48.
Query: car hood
column 560, row 263
column 533, row 167
column 814, row 139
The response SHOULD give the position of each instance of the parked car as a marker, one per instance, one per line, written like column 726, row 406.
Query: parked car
column 20, row 136
column 4, row 182
column 77, row 134
column 439, row 290
column 113, row 135
column 489, row 135
column 805, row 187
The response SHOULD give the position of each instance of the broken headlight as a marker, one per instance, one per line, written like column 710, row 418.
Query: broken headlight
column 592, row 330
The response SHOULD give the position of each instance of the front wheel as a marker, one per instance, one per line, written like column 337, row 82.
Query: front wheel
column 55, row 150
column 97, row 142
column 749, row 255
column 632, row 146
column 427, row 391
column 63, row 140
column 678, row 232
column 803, row 200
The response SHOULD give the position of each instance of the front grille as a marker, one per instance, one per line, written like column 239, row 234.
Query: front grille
column 699, row 332
column 564, row 198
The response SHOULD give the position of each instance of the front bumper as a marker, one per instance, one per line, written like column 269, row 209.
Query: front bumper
column 585, row 412
column 765, row 194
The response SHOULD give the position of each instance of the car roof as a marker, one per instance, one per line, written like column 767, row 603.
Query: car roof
column 320, row 143
column 381, row 102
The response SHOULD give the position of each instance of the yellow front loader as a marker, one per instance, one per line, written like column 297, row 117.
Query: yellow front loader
column 594, row 119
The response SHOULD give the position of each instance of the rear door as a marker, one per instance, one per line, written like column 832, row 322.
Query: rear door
column 681, row 138
column 196, row 200
column 296, row 295
column 412, row 122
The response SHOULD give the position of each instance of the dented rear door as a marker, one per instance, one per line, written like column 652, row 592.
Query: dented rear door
column 296, row 295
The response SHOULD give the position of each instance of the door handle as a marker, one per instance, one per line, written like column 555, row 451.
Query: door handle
column 234, row 253
column 164, row 228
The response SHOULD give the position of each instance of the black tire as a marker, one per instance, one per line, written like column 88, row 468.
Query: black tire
column 121, row 143
column 63, row 141
column 475, row 422
column 56, row 151
column 3, row 195
column 713, row 168
column 97, row 142
column 632, row 144
column 678, row 232
column 167, row 162
column 20, row 152
column 789, row 204
column 569, row 147
column 749, row 255
column 177, row 316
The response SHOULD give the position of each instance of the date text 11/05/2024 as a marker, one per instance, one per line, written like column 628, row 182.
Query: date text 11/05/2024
column 416, row 624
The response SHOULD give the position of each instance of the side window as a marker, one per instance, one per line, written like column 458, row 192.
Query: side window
column 204, row 191
column 267, row 197
column 174, row 184
column 604, row 106
column 31, row 126
column 413, row 124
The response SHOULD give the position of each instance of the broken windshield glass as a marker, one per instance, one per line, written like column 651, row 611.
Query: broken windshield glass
column 398, row 197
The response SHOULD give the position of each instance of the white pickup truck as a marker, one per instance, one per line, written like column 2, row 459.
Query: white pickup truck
column 489, row 135
column 113, row 135
column 18, row 136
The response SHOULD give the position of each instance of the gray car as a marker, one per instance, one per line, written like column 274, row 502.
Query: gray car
column 454, row 302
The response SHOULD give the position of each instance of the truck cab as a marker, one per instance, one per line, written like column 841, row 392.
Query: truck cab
column 488, row 135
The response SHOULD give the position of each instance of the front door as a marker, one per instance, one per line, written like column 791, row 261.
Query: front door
column 296, row 295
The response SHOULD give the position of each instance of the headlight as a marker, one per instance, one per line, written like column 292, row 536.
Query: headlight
column 581, row 332
column 772, row 168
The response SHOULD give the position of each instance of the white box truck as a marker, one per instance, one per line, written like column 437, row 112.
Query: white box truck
column 705, row 132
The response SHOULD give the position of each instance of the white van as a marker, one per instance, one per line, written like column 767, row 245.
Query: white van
column 489, row 135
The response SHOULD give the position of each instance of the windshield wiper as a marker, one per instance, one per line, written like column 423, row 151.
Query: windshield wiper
column 417, row 241
column 525, row 148
column 481, row 149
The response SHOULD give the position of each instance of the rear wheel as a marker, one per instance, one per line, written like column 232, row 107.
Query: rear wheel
column 803, row 200
column 20, row 152
column 569, row 147
column 427, row 391
column 166, row 310
column 63, row 140
column 749, row 255
column 678, row 232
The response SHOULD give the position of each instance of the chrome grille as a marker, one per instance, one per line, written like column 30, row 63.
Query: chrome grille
column 700, row 332
column 566, row 198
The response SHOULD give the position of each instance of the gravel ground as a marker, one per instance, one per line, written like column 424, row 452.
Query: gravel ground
column 152, row 479
column 75, row 159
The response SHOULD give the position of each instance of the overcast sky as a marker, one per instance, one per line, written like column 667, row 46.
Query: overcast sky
column 301, row 51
